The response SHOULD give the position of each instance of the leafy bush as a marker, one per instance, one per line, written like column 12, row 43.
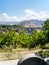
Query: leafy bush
column 44, row 53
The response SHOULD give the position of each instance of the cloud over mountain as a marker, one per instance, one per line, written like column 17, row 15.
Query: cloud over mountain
column 34, row 15
column 29, row 14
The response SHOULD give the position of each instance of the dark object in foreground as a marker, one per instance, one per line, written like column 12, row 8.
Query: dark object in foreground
column 31, row 59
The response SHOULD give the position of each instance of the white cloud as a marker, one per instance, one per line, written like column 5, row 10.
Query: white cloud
column 5, row 18
column 29, row 14
column 34, row 15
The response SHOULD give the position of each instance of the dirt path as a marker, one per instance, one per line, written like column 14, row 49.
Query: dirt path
column 15, row 54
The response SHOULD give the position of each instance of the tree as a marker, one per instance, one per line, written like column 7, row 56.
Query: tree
column 46, row 30
column 41, row 39
column 1, row 39
column 10, row 39
column 46, row 25
column 23, row 39
column 34, row 39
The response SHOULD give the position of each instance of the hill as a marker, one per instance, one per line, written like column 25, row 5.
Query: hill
column 31, row 23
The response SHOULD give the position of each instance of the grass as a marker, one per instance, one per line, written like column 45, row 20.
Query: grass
column 44, row 53
column 11, row 54
column 15, row 53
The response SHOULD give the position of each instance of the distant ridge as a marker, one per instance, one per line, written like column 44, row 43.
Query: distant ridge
column 24, row 23
column 31, row 23
column 9, row 23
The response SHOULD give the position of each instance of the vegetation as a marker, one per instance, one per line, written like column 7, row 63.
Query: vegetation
column 11, row 40
column 44, row 53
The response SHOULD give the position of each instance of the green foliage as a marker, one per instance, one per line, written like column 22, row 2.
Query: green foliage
column 10, row 38
column 46, row 46
column 34, row 39
column 44, row 53
column 46, row 30
column 23, row 39
column 46, row 25
column 1, row 39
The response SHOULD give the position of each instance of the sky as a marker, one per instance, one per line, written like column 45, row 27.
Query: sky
column 18, row 10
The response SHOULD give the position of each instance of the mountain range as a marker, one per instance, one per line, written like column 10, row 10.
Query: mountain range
column 25, row 23
column 31, row 23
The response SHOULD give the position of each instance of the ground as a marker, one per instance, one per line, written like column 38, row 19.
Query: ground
column 15, row 54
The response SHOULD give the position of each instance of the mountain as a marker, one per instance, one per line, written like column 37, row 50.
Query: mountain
column 31, row 23
column 25, row 23
column 28, row 25
column 9, row 23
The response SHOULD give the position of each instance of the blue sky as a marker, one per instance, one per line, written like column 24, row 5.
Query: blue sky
column 17, row 7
